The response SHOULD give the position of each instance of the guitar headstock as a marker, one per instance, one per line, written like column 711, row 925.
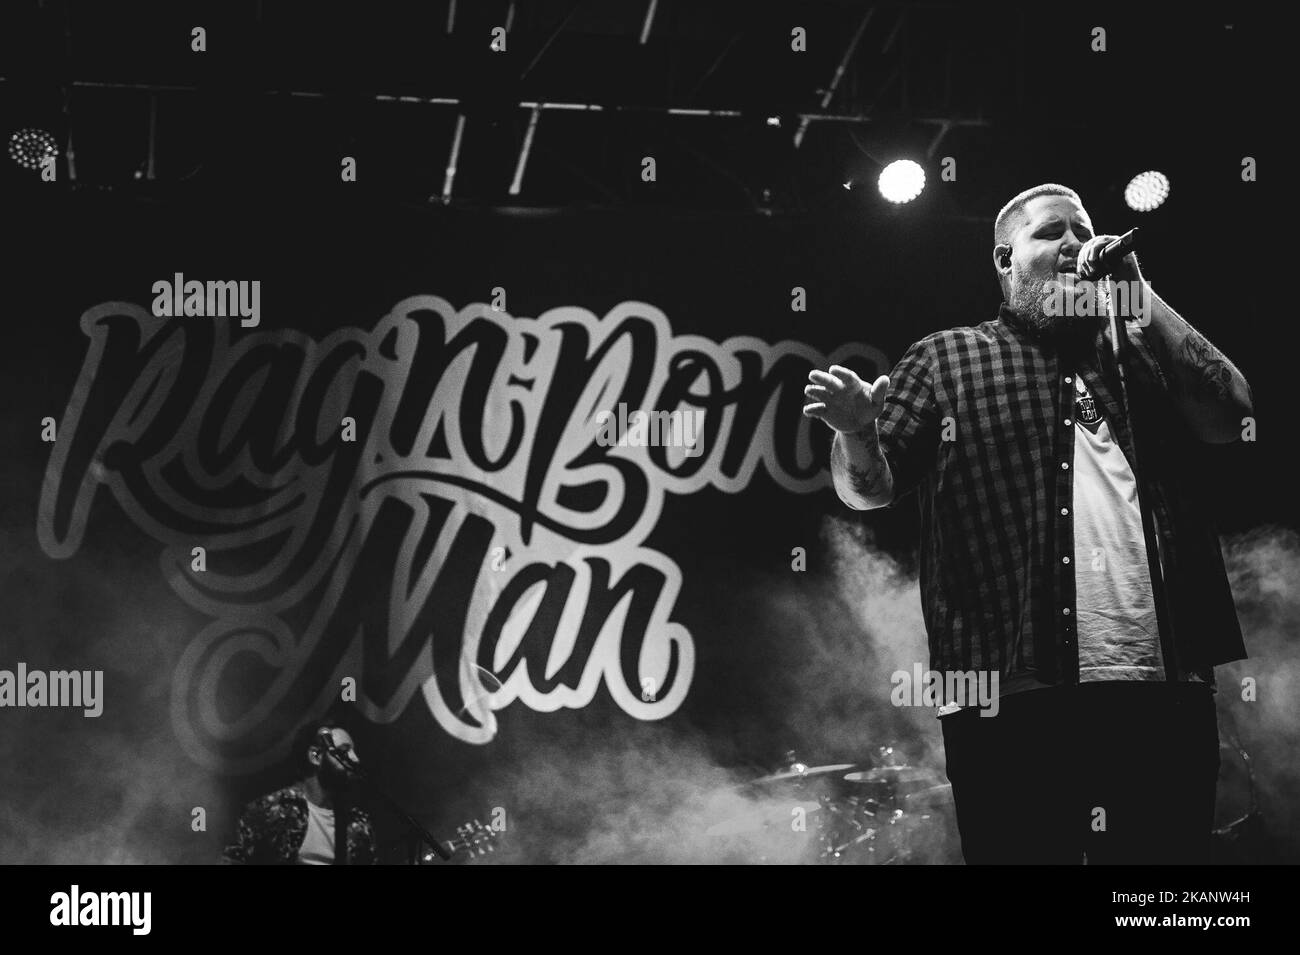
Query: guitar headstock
column 473, row 837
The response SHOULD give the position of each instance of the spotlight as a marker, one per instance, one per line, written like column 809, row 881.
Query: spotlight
column 30, row 147
column 902, row 181
column 1146, row 191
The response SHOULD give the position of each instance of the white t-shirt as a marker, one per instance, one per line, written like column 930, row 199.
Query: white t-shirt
column 1118, row 636
column 318, row 845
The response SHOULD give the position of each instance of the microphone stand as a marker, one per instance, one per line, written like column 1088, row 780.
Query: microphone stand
column 1120, row 348
column 411, row 822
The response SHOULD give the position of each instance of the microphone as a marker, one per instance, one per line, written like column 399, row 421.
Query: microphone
column 1114, row 253
column 326, row 739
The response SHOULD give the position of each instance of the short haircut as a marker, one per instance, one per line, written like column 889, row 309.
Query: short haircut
column 1009, row 219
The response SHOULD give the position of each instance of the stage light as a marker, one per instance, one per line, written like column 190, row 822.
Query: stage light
column 902, row 181
column 774, row 121
column 30, row 147
column 1146, row 191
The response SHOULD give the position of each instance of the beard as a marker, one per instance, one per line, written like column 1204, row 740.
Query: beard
column 336, row 779
column 1029, row 298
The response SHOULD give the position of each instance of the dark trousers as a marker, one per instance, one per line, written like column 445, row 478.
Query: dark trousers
column 1124, row 772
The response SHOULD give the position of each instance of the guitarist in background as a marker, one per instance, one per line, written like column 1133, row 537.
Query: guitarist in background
column 297, row 825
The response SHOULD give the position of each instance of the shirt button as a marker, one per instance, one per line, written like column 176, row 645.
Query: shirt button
column 1065, row 560
column 1068, row 379
column 1065, row 465
column 1066, row 611
column 1064, row 511
column 1067, row 422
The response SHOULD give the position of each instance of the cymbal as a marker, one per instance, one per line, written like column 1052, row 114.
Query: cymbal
column 759, row 819
column 893, row 774
column 930, row 796
column 800, row 771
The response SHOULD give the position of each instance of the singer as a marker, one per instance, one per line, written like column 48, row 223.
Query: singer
column 297, row 825
column 1064, row 546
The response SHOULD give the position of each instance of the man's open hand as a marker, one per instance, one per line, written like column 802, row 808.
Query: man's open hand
column 843, row 400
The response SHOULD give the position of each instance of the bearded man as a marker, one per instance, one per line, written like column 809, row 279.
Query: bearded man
column 1058, row 555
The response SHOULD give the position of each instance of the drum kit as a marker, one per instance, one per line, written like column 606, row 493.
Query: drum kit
column 877, row 811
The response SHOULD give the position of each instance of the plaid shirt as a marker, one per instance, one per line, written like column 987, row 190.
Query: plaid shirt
column 978, row 420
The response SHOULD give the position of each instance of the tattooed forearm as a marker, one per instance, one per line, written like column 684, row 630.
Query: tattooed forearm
column 870, row 483
column 1211, row 394
column 860, row 471
column 1204, row 372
